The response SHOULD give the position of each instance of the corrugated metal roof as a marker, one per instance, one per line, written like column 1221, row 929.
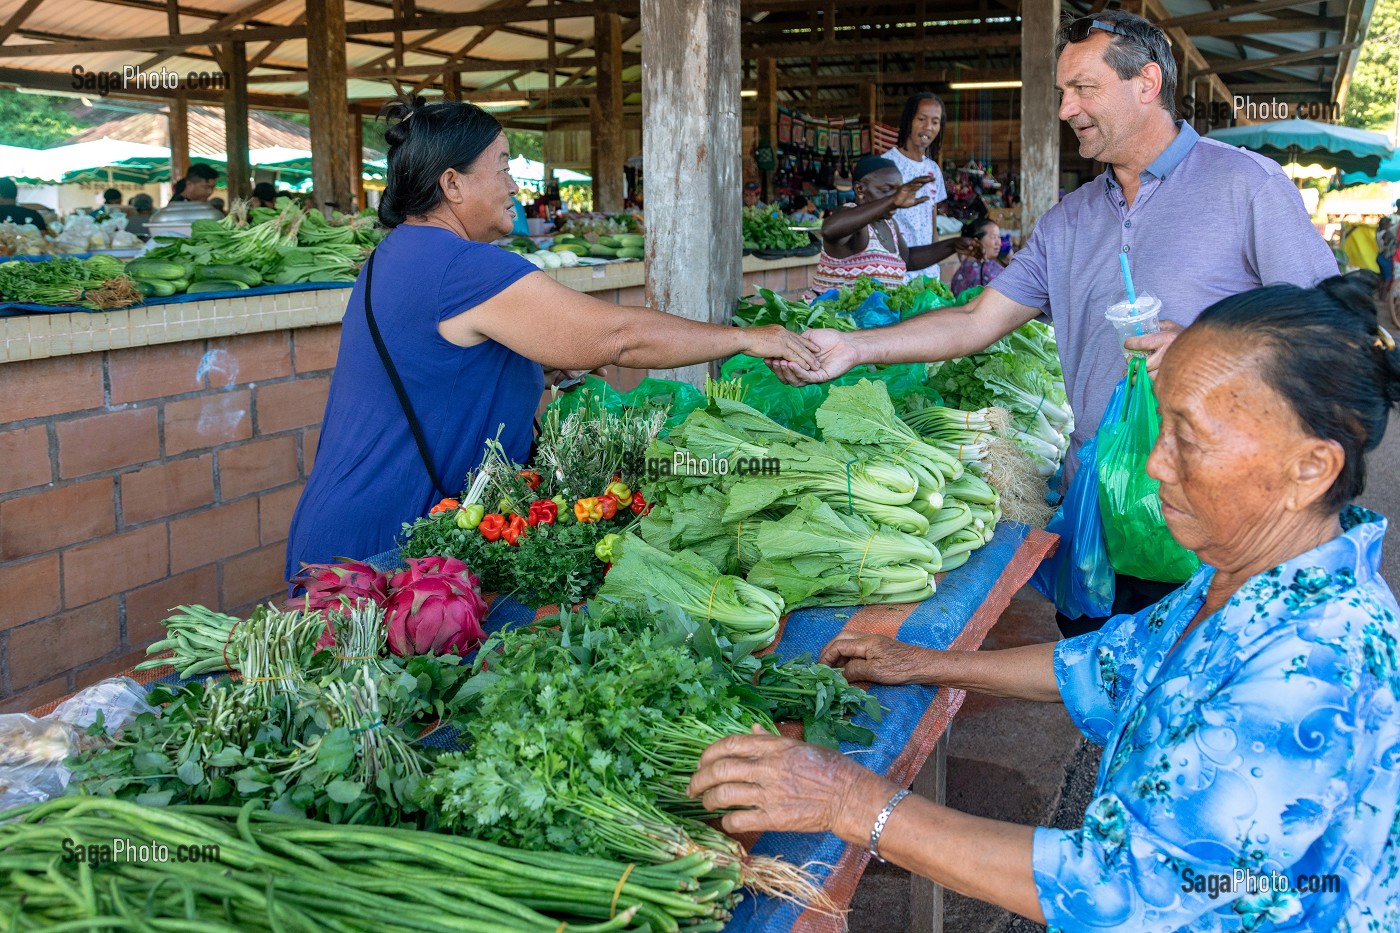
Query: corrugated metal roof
column 206, row 128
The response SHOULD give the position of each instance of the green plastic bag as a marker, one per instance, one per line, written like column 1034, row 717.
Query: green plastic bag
column 592, row 389
column 1138, row 541
column 681, row 396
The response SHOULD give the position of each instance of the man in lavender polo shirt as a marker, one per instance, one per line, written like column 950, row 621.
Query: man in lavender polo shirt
column 1198, row 221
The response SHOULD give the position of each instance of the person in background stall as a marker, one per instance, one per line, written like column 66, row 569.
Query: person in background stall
column 142, row 207
column 751, row 198
column 1118, row 82
column 111, row 204
column 915, row 155
column 806, row 211
column 466, row 327
column 980, row 266
column 11, row 212
column 198, row 184
column 264, row 194
column 1248, row 720
column 862, row 239
column 218, row 204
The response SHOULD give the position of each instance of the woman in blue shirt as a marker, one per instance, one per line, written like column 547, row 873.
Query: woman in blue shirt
column 1250, row 721
column 465, row 328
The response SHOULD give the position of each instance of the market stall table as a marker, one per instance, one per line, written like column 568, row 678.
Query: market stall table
column 968, row 603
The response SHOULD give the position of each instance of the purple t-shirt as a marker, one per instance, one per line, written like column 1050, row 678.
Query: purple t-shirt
column 369, row 478
column 1209, row 221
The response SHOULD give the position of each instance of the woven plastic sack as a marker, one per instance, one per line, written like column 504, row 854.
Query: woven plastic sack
column 681, row 396
column 1135, row 532
column 1078, row 577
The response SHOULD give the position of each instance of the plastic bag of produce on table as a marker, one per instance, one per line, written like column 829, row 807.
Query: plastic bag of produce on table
column 682, row 397
column 1078, row 577
column 1135, row 532
column 33, row 749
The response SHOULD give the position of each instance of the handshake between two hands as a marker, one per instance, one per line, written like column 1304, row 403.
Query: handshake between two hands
column 802, row 359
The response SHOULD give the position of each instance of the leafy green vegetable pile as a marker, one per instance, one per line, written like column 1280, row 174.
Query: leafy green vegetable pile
column 96, row 283
column 766, row 307
column 767, row 229
column 1021, row 373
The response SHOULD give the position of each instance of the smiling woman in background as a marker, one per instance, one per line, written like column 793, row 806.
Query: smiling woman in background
column 444, row 336
column 915, row 155
column 1250, row 720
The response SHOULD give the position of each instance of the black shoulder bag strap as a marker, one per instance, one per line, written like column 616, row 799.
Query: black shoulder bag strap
column 404, row 403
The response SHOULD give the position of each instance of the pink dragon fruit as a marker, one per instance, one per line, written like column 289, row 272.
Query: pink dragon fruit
column 332, row 586
column 436, row 613
column 323, row 586
column 419, row 567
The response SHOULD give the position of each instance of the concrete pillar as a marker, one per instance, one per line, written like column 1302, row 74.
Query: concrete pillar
column 1040, row 123
column 240, row 174
column 325, row 52
column 692, row 160
column 609, row 157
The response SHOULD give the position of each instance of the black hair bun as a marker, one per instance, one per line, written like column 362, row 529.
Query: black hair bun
column 1358, row 292
column 396, row 112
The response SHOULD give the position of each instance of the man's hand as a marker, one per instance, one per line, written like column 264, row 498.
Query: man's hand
column 1156, row 344
column 875, row 659
column 834, row 356
column 907, row 194
column 786, row 785
column 776, row 343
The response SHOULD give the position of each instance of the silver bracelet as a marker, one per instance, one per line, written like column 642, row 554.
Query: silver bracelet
column 882, row 819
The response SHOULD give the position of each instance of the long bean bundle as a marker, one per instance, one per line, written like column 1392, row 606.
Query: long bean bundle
column 275, row 872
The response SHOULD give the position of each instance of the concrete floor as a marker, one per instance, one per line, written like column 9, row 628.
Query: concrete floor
column 1026, row 762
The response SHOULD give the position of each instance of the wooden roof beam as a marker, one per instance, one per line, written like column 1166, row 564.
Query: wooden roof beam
column 1292, row 58
column 1241, row 27
column 236, row 18
column 352, row 28
column 12, row 24
column 948, row 43
column 1234, row 9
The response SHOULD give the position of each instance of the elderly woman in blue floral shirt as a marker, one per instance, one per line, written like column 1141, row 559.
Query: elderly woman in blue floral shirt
column 1251, row 771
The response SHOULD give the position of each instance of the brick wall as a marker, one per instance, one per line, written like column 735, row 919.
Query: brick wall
column 135, row 480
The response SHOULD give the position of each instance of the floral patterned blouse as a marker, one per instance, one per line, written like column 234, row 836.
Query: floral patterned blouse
column 1251, row 777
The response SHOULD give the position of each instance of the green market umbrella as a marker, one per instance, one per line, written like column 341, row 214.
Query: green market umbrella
column 1306, row 141
column 1389, row 170
column 141, row 170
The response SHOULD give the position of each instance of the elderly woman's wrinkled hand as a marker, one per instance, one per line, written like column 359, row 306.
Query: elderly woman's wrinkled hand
column 875, row 659
column 834, row 356
column 1155, row 344
column 776, row 783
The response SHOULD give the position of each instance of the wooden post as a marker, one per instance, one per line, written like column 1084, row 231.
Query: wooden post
column 869, row 104
column 452, row 85
column 236, row 121
column 692, row 161
column 357, row 175
column 609, row 147
column 325, row 52
column 925, row 896
column 768, row 114
column 179, row 137
column 1040, row 121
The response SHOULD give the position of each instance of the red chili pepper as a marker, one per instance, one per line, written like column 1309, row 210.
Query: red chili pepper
column 492, row 526
column 542, row 512
column 607, row 504
column 640, row 506
column 531, row 478
column 515, row 530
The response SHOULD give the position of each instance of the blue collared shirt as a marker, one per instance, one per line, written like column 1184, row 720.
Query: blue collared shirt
column 1208, row 221
column 1267, row 743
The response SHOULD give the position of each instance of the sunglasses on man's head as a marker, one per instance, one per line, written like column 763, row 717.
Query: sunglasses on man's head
column 1079, row 29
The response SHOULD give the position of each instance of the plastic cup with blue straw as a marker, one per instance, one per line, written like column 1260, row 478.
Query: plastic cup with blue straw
column 1135, row 317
